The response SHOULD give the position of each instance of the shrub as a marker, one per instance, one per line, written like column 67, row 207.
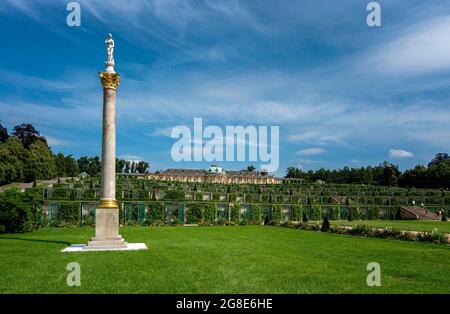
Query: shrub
column 305, row 218
column 444, row 215
column 276, row 214
column 70, row 213
column 316, row 213
column 155, row 212
column 174, row 195
column 398, row 214
column 434, row 236
column 325, row 225
column 199, row 196
column 20, row 212
column 209, row 213
column 373, row 213
column 194, row 214
column 353, row 213
column 221, row 221
column 297, row 212
column 336, row 213
column 256, row 214
column 236, row 213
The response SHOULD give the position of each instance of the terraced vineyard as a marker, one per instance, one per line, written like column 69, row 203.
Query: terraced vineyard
column 138, row 198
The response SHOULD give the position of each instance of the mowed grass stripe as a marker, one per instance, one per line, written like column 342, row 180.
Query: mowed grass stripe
column 241, row 259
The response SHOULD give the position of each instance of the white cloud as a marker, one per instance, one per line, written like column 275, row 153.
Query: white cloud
column 400, row 153
column 161, row 132
column 134, row 158
column 311, row 151
column 53, row 141
column 421, row 49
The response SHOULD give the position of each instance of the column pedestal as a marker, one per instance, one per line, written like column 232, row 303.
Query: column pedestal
column 106, row 230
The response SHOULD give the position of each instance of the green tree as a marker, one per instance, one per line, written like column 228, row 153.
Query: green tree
column 3, row 134
column 13, row 157
column 142, row 167
column 60, row 162
column 120, row 165
column 71, row 166
column 94, row 166
column 41, row 164
column 83, row 164
column 27, row 134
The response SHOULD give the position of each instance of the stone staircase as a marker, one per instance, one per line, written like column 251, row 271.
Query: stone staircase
column 418, row 213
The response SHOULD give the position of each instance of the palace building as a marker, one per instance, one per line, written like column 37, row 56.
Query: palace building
column 214, row 174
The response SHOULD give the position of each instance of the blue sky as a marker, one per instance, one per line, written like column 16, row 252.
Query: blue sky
column 342, row 93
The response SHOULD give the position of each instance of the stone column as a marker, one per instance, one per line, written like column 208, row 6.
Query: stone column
column 107, row 213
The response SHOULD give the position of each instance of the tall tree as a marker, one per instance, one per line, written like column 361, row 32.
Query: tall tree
column 71, row 166
column 13, row 157
column 94, row 166
column 127, row 166
column 120, row 165
column 438, row 158
column 83, row 164
column 251, row 168
column 41, row 163
column 60, row 162
column 3, row 134
column 27, row 134
column 142, row 167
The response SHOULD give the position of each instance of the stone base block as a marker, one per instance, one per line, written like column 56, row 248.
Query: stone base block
column 83, row 248
column 106, row 243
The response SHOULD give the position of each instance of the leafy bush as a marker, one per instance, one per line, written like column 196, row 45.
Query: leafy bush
column 174, row 195
column 353, row 213
column 194, row 214
column 433, row 236
column 335, row 213
column 236, row 213
column 305, row 217
column 316, row 213
column 209, row 213
column 297, row 212
column 373, row 213
column 325, row 225
column 199, row 196
column 70, row 213
column 444, row 215
column 256, row 214
column 221, row 221
column 20, row 212
column 155, row 212
column 276, row 214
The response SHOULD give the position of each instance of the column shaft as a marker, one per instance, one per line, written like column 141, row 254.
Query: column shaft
column 108, row 174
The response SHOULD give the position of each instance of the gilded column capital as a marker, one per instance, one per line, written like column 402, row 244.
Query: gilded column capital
column 110, row 80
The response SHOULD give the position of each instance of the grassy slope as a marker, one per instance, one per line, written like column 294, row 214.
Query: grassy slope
column 249, row 259
column 410, row 225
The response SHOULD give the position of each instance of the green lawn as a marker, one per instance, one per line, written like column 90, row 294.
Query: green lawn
column 245, row 259
column 409, row 225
